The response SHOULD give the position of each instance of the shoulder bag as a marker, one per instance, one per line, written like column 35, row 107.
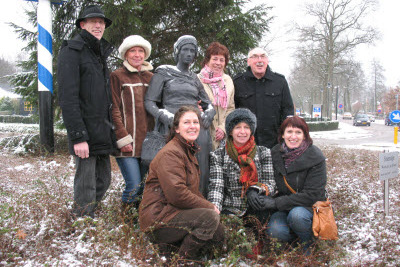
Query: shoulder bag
column 152, row 143
column 324, row 224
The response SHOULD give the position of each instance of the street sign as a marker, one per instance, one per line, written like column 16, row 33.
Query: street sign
column 394, row 116
column 297, row 111
column 340, row 106
column 388, row 165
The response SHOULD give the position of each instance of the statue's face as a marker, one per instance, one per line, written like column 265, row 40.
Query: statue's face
column 187, row 54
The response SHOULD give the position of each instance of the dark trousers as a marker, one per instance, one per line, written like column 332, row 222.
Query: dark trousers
column 92, row 179
column 191, row 230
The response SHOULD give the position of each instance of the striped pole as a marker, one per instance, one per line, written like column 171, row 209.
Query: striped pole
column 45, row 75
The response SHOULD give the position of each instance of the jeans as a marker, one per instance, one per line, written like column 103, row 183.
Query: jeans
column 287, row 226
column 133, row 173
column 92, row 179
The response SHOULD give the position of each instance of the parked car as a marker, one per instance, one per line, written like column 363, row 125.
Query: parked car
column 347, row 116
column 361, row 119
column 371, row 118
column 388, row 122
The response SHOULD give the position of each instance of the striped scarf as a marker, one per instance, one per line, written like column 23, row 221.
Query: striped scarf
column 244, row 156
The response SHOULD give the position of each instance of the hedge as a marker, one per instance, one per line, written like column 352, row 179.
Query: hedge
column 323, row 126
column 19, row 119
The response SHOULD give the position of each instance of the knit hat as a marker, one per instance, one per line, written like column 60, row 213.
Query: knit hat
column 134, row 40
column 184, row 39
column 92, row 11
column 240, row 115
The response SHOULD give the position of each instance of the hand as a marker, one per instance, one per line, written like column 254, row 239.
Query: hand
column 166, row 117
column 216, row 209
column 219, row 134
column 267, row 203
column 82, row 150
column 253, row 199
column 127, row 148
column 199, row 106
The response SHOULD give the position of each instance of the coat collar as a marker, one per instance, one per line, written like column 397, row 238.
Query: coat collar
column 311, row 157
column 268, row 73
column 146, row 66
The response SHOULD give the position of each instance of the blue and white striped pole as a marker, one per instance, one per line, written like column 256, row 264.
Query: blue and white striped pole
column 45, row 75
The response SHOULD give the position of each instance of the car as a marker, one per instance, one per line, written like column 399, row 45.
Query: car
column 361, row 119
column 388, row 122
column 305, row 115
column 371, row 118
column 347, row 116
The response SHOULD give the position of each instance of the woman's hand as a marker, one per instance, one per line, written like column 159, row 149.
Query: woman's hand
column 219, row 134
column 127, row 148
column 216, row 209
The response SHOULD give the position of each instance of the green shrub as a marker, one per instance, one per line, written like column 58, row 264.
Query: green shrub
column 323, row 126
column 19, row 119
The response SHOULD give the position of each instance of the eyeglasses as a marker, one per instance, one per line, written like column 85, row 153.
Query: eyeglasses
column 263, row 56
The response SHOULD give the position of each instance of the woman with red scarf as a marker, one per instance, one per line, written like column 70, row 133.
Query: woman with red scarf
column 219, row 88
column 241, row 172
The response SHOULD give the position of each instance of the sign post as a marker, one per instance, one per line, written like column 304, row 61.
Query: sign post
column 388, row 168
column 394, row 116
column 316, row 112
column 45, row 72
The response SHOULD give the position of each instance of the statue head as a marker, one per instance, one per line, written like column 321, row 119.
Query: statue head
column 185, row 39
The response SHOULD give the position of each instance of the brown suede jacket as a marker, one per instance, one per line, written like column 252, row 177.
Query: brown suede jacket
column 130, row 118
column 171, row 186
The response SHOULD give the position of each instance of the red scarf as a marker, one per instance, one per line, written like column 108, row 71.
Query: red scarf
column 244, row 156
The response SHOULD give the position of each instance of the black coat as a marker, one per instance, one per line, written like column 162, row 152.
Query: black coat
column 306, row 175
column 268, row 98
column 84, row 93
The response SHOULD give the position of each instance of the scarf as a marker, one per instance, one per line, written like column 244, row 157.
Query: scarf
column 217, row 85
column 290, row 155
column 244, row 156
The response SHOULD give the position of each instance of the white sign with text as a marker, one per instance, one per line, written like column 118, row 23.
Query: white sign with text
column 388, row 165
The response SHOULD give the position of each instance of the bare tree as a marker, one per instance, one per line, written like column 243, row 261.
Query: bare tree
column 377, row 87
column 338, row 28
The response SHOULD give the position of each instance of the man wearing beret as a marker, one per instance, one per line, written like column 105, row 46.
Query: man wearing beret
column 85, row 100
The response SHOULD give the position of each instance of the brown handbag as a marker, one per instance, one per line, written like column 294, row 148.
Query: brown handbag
column 324, row 224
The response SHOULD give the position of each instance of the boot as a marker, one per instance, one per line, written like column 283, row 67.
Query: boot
column 190, row 247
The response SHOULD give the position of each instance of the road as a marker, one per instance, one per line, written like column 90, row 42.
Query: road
column 377, row 135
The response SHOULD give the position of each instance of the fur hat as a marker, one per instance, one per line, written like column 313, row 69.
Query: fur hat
column 240, row 115
column 184, row 39
column 92, row 11
column 134, row 40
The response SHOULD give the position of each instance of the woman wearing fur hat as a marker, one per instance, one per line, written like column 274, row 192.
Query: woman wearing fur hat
column 174, row 86
column 129, row 85
column 241, row 171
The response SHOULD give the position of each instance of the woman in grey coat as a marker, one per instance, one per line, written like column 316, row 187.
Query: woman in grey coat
column 174, row 86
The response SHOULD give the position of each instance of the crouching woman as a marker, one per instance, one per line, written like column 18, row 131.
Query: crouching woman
column 173, row 211
column 300, row 175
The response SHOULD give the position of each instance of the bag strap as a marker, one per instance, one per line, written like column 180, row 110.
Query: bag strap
column 288, row 186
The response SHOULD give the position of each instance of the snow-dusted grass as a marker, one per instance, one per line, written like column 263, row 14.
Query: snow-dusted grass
column 37, row 228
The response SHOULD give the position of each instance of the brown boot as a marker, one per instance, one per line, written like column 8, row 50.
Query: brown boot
column 190, row 247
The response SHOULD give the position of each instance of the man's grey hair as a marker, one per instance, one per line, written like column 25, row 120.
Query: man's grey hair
column 252, row 51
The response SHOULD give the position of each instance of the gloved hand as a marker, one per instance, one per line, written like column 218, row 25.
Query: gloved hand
column 166, row 117
column 253, row 199
column 208, row 116
column 267, row 202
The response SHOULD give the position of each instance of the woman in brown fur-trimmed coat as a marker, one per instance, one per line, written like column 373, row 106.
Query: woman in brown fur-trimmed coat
column 129, row 85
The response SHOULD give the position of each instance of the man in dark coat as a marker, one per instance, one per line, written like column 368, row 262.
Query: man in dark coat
column 85, row 99
column 266, row 94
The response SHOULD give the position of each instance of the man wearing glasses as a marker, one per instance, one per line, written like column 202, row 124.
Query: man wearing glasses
column 266, row 94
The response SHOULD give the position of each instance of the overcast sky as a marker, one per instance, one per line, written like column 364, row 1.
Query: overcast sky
column 386, row 51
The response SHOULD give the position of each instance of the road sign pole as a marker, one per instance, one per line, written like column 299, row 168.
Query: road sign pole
column 396, row 132
column 386, row 197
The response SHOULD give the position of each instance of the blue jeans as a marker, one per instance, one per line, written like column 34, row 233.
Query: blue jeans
column 133, row 173
column 287, row 226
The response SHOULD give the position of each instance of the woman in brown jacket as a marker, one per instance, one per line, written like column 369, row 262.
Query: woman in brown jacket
column 129, row 85
column 173, row 210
